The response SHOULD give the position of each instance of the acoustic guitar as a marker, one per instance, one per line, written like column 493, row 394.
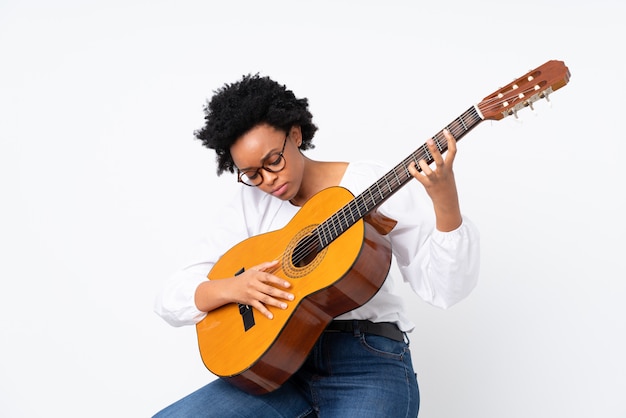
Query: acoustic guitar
column 334, row 254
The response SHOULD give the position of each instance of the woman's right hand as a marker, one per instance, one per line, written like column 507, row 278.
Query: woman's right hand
column 255, row 287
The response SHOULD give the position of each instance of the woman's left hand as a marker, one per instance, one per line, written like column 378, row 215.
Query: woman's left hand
column 439, row 182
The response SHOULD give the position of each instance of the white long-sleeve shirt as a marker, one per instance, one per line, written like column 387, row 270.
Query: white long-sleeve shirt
column 441, row 267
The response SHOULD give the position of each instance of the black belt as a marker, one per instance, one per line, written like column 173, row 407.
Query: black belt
column 383, row 329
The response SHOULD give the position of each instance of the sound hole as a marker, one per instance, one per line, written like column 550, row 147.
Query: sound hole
column 304, row 253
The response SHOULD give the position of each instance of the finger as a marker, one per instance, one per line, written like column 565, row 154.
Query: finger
column 275, row 280
column 413, row 170
column 434, row 151
column 276, row 293
column 426, row 170
column 265, row 266
column 268, row 300
column 451, row 145
column 262, row 309
column 268, row 277
column 264, row 301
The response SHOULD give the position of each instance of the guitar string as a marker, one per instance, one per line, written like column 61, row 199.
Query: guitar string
column 338, row 225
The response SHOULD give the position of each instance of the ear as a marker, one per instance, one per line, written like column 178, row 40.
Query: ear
column 296, row 135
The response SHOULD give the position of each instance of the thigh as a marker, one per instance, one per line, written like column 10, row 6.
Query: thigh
column 219, row 399
column 366, row 376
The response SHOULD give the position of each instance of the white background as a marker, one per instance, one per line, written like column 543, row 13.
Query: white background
column 104, row 187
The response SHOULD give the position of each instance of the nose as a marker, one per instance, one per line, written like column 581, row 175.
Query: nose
column 269, row 177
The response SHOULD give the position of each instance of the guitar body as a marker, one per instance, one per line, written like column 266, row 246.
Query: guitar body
column 339, row 278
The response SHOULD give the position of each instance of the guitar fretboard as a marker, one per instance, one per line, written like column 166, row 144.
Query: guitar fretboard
column 382, row 189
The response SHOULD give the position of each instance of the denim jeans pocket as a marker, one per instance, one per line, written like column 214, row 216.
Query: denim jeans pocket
column 383, row 346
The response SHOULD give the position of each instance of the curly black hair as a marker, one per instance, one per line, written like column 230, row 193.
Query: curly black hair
column 236, row 108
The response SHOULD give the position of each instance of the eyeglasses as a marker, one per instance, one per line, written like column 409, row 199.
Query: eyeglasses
column 253, row 177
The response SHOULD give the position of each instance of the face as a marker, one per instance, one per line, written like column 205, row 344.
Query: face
column 260, row 147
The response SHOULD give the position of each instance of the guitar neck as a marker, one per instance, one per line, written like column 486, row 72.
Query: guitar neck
column 508, row 100
column 386, row 186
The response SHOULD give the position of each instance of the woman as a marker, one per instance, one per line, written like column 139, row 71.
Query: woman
column 361, row 365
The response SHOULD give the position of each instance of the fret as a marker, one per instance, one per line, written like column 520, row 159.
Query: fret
column 344, row 220
column 319, row 238
column 358, row 208
column 337, row 224
column 428, row 156
column 388, row 185
column 334, row 224
column 395, row 174
column 457, row 128
column 352, row 211
column 320, row 233
column 438, row 144
column 369, row 191
column 380, row 192
column 329, row 232
column 462, row 122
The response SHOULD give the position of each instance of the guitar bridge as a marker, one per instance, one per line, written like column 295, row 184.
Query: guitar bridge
column 247, row 315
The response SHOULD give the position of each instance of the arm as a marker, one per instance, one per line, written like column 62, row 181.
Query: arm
column 440, row 261
column 255, row 287
column 187, row 295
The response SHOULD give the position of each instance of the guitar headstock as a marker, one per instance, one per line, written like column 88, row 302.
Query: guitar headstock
column 523, row 92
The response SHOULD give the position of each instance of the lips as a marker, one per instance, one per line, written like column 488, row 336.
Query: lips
column 280, row 190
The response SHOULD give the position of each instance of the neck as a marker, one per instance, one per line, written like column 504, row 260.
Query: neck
column 317, row 176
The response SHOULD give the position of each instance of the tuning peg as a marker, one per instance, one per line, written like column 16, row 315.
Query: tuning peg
column 526, row 103
column 547, row 97
column 529, row 104
column 544, row 95
column 513, row 112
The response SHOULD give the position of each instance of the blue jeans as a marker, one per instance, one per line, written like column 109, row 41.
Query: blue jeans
column 345, row 376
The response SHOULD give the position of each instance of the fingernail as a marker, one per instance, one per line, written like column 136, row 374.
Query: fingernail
column 283, row 305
